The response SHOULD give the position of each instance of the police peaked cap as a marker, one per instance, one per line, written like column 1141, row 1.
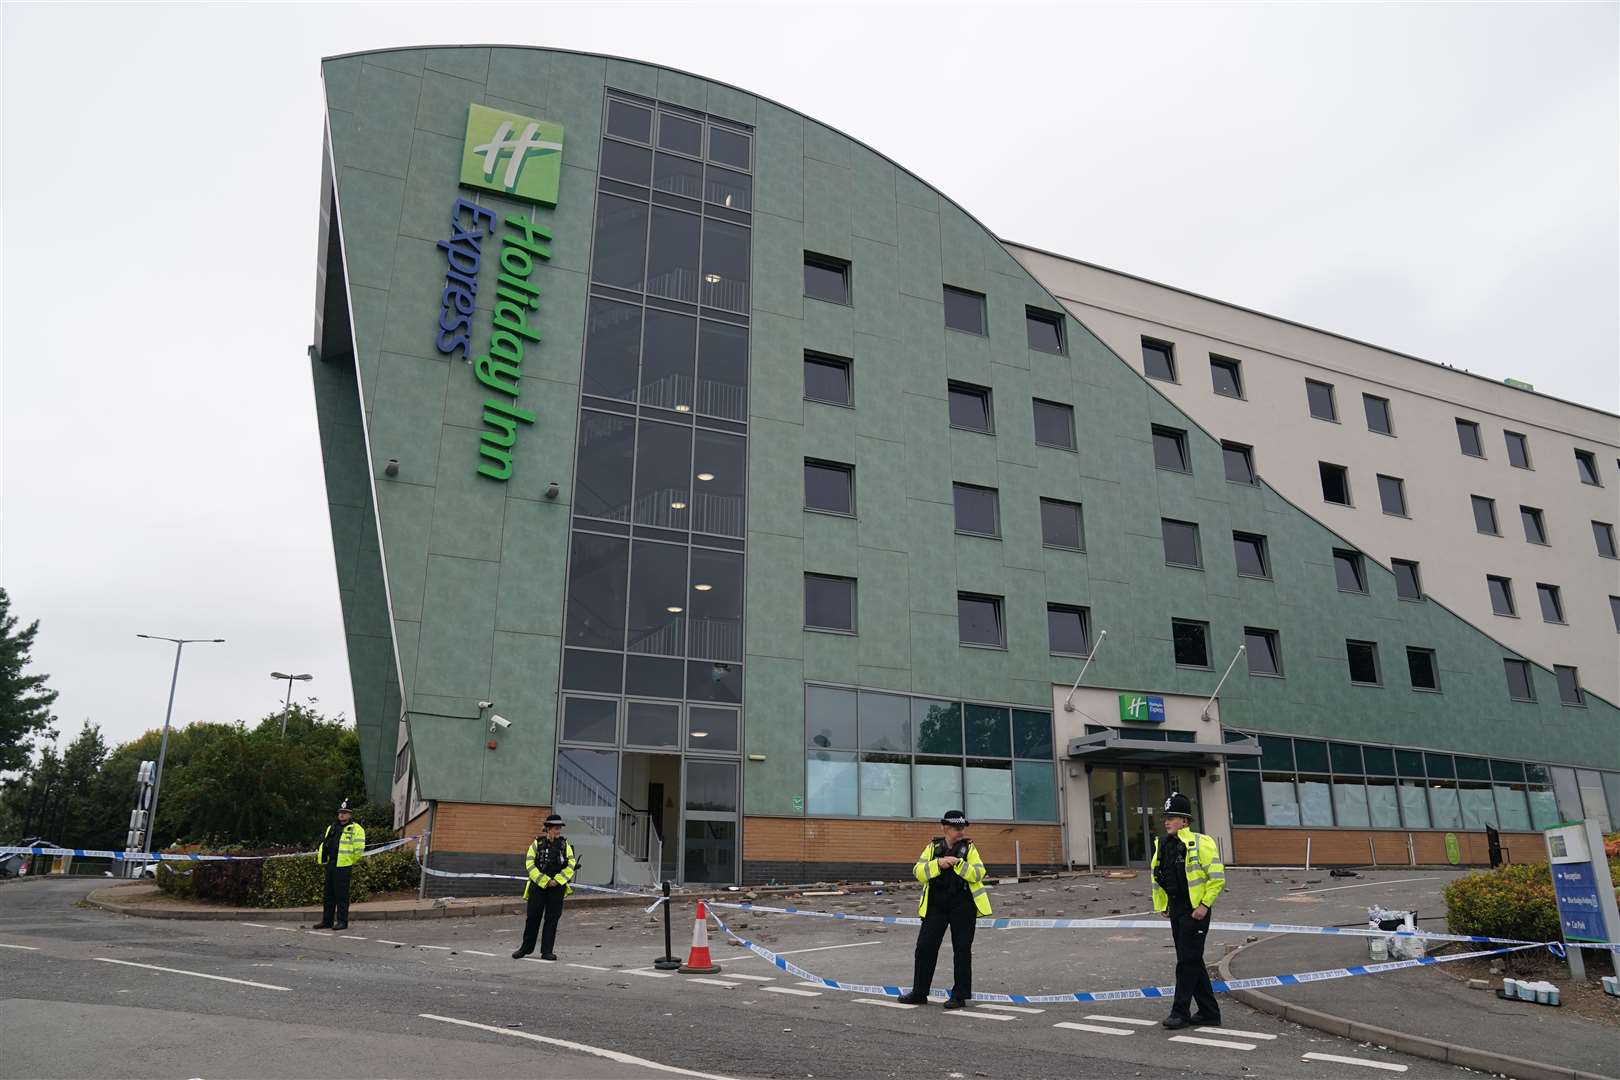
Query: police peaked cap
column 554, row 819
column 956, row 818
column 1178, row 805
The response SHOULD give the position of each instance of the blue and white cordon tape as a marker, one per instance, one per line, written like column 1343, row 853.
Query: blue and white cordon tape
column 160, row 856
column 641, row 893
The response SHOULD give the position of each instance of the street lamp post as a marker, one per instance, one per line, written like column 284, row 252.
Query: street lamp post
column 163, row 747
column 288, row 704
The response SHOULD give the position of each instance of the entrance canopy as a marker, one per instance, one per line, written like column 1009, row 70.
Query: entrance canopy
column 1112, row 746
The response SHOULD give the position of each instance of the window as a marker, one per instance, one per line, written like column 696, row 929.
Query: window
column 1191, row 640
column 1408, row 586
column 829, row 602
column 1239, row 462
column 1535, row 526
column 1181, row 543
column 1054, row 424
column 1349, row 571
column 1335, row 483
column 1227, row 376
column 1552, row 602
column 978, row 620
column 1062, row 525
column 1586, row 467
column 1363, row 657
column 1520, row 688
column 1485, row 515
column 1421, row 666
column 970, row 408
column 1252, row 557
column 1468, row 438
column 1044, row 329
column 829, row 487
column 1614, row 611
column 976, row 510
column 827, row 379
column 1261, row 648
column 964, row 311
column 728, row 147
column 629, row 121
column 1170, row 449
column 1392, row 494
column 1377, row 410
column 1603, row 534
column 1518, row 449
column 1068, row 629
column 1159, row 359
column 1501, row 594
column 826, row 278
column 1319, row 395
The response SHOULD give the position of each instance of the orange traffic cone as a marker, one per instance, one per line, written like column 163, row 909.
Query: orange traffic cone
column 698, row 961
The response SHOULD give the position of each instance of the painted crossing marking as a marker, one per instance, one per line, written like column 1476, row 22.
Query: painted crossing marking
column 816, row 985
column 1008, row 1008
column 1237, row 1034
column 385, row 941
column 320, row 933
column 440, row 948
column 1120, row 1020
column 1387, row 1066
column 286, row 929
column 885, row 1002
column 713, row 982
column 753, row 978
column 611, row 1055
column 790, row 990
column 824, row 948
column 646, row 974
column 1097, row 1028
column 25, row 948
column 475, row 952
column 590, row 967
column 1226, row 1043
column 351, row 937
column 981, row 1015
column 194, row 974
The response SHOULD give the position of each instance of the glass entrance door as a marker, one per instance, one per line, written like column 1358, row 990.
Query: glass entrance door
column 1144, row 792
column 1127, row 811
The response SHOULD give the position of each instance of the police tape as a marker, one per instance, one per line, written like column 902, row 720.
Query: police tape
column 1128, row 994
column 642, row 894
column 158, row 856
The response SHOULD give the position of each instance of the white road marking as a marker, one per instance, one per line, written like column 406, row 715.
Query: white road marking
column 611, row 1055
column 1227, row 1043
column 590, row 967
column 753, row 978
column 1387, row 1066
column 320, row 933
column 475, row 952
column 256, row 925
column 645, row 974
column 1237, row 1034
column 713, row 982
column 440, row 948
column 982, row 1015
column 816, row 985
column 286, row 929
column 1098, row 1028
column 998, row 1007
column 1120, row 1020
column 790, row 990
column 1362, row 885
column 385, row 941
column 26, row 948
column 196, row 974
column 885, row 1002
column 351, row 937
column 824, row 948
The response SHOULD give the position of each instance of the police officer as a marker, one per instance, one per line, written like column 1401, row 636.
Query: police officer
column 954, row 895
column 341, row 847
column 1187, row 877
column 550, row 864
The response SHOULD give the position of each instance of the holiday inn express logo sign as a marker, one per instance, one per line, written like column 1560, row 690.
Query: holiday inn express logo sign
column 518, row 157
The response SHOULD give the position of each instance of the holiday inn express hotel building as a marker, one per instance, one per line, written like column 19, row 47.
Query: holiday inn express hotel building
column 699, row 473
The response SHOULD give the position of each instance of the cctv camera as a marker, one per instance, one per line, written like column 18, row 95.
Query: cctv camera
column 486, row 704
column 499, row 721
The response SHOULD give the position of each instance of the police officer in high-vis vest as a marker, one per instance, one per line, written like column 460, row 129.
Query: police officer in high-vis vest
column 341, row 847
column 550, row 864
column 1187, row 877
column 954, row 895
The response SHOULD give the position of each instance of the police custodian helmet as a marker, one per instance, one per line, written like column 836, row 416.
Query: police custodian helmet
column 1178, row 805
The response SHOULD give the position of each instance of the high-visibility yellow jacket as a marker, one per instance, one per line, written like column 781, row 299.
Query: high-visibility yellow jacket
column 538, row 878
column 969, row 869
column 1206, row 877
column 351, row 845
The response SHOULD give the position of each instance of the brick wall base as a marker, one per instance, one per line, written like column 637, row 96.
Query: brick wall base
column 1350, row 847
column 792, row 850
column 475, row 862
column 769, row 872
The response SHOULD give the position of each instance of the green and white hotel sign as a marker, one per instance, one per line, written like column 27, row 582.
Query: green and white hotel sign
column 518, row 157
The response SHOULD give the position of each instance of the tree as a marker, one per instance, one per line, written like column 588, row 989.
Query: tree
column 25, row 703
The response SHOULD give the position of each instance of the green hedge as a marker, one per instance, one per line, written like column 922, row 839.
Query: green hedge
column 287, row 882
column 1510, row 902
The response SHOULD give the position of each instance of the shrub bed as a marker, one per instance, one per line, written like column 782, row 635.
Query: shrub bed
column 296, row 882
column 1510, row 901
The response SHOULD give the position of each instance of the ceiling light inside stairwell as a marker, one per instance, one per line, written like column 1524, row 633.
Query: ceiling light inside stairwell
column 703, row 588
column 683, row 408
column 705, row 476
column 673, row 609
column 712, row 279
column 677, row 505
column 699, row 734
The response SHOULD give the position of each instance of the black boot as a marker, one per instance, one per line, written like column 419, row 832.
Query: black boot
column 955, row 1003
column 913, row 998
column 521, row 953
column 1175, row 1022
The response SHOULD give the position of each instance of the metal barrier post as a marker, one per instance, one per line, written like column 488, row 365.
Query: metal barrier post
column 1372, row 846
column 1307, row 853
column 667, row 962
column 1018, row 860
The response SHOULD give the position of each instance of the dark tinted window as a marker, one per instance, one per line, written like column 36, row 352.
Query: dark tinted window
column 829, row 486
column 976, row 509
column 1614, row 610
column 1044, row 330
column 620, row 161
column 1054, row 424
column 1227, row 376
column 1068, row 629
column 672, row 254
column 1518, row 680
column 1061, row 524
column 612, row 346
column 1264, row 659
column 1552, row 602
column 1501, row 594
column 1335, row 483
column 826, row 278
column 1518, row 449
column 964, row 310
column 678, row 176
column 1586, row 466
column 657, row 620
column 590, row 720
column 598, row 671
column 829, row 602
column 1468, row 438
column 826, row 378
column 720, row 483
column 723, row 187
column 1159, row 360
column 1244, row 792
column 1408, row 586
column 970, row 407
column 1170, row 449
column 1346, row 758
column 621, row 242
column 607, row 444
column 1181, row 543
column 1349, row 572
column 629, row 121
column 679, row 133
column 1535, row 526
column 663, row 475
column 722, row 381
column 1250, row 550
column 715, row 627
column 978, row 619
column 1191, row 640
column 1569, row 685
column 1377, row 410
column 1311, row 755
column 1485, row 515
column 1239, row 461
column 1603, row 535
column 725, row 266
column 597, row 578
column 1363, row 657
column 1320, row 397
column 728, row 147
column 669, row 360
column 1392, row 494
column 1420, row 665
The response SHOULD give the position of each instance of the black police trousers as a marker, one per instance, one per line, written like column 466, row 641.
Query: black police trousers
column 546, row 904
column 335, row 895
column 958, row 915
column 1192, row 977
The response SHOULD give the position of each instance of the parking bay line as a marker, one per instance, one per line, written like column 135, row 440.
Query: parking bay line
column 194, row 974
column 1096, row 1028
column 790, row 990
column 1227, row 1043
column 1387, row 1066
column 1120, row 1020
column 611, row 1055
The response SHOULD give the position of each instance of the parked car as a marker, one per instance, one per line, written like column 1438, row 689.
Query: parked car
column 19, row 865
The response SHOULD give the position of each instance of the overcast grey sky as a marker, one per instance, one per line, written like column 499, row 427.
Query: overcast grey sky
column 1440, row 180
